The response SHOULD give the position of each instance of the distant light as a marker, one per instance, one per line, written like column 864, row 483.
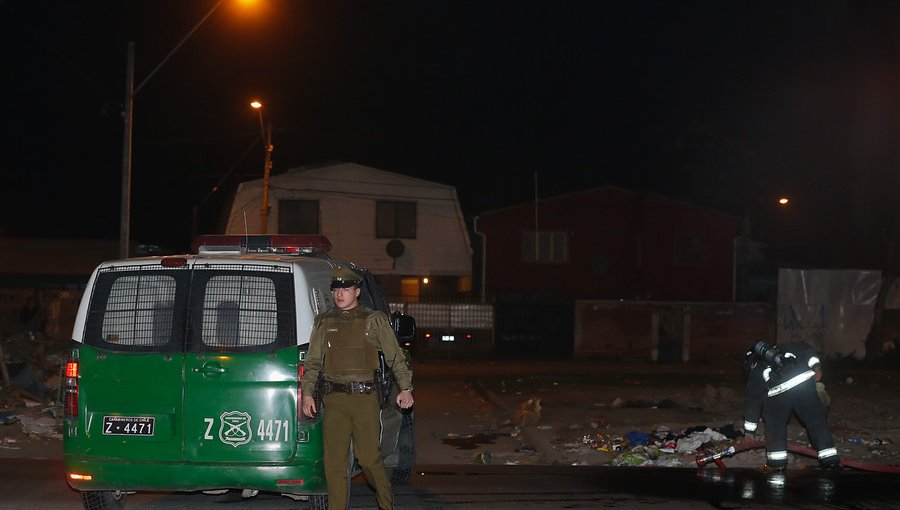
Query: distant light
column 256, row 104
column 784, row 200
column 425, row 280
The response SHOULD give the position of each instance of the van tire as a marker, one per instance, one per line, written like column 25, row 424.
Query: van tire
column 103, row 500
column 406, row 450
column 318, row 501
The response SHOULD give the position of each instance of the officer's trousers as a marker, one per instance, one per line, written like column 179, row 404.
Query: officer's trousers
column 803, row 400
column 358, row 417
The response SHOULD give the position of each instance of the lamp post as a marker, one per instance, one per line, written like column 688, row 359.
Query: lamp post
column 128, row 115
column 266, row 133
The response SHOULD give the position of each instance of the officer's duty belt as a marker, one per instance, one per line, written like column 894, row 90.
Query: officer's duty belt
column 350, row 387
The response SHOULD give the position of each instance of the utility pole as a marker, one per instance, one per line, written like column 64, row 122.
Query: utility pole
column 128, row 114
column 264, row 213
column 125, row 223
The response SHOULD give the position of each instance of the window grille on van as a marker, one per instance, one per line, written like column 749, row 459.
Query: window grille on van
column 135, row 310
column 230, row 308
column 233, row 311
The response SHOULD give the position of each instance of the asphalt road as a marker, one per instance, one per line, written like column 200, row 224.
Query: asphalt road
column 38, row 484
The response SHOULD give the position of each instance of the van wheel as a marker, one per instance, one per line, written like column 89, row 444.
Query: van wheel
column 318, row 501
column 103, row 500
column 406, row 450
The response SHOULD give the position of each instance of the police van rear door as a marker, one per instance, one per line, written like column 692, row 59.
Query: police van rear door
column 240, row 379
column 131, row 361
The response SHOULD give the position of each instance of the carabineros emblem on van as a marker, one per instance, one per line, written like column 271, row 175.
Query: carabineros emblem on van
column 235, row 428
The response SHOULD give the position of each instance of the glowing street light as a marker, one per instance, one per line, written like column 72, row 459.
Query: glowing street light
column 767, row 206
column 266, row 133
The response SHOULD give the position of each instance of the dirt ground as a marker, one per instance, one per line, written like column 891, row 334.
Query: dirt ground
column 602, row 414
column 584, row 413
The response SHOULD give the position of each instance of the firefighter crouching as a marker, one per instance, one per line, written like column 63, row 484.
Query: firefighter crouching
column 344, row 347
column 782, row 380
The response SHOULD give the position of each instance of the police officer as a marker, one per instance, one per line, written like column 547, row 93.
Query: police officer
column 344, row 347
column 781, row 380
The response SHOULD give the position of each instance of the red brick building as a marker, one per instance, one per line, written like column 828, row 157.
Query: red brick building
column 608, row 243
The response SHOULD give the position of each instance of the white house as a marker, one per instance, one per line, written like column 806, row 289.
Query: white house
column 401, row 228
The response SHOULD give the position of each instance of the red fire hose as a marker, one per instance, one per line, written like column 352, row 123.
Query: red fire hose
column 753, row 444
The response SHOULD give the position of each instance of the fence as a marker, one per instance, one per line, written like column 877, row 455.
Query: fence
column 450, row 329
column 670, row 331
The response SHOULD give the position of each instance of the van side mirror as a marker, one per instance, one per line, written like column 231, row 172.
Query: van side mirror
column 404, row 326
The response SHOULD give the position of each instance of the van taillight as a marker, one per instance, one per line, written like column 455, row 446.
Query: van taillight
column 71, row 389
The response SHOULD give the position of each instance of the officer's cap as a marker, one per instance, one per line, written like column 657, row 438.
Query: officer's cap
column 343, row 277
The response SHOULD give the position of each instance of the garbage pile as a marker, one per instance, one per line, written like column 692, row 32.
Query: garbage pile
column 31, row 369
column 662, row 447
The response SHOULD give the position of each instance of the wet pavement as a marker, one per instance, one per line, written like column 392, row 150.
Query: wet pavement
column 733, row 488
column 37, row 484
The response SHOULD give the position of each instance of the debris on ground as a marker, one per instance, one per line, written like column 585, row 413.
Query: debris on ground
column 31, row 366
column 529, row 412
column 469, row 441
column 40, row 426
column 659, row 448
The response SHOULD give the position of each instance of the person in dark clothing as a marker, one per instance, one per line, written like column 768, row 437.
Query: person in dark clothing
column 781, row 380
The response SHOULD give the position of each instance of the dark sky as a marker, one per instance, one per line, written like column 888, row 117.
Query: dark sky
column 725, row 104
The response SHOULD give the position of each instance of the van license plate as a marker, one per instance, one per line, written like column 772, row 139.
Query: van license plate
column 128, row 425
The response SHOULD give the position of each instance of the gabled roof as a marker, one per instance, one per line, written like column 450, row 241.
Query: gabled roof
column 348, row 178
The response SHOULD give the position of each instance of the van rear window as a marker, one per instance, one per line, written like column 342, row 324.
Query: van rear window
column 216, row 308
column 242, row 310
column 135, row 310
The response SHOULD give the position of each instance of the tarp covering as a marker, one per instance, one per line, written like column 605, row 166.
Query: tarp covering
column 832, row 310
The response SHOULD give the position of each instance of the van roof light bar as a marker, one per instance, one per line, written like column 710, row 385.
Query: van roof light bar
column 279, row 244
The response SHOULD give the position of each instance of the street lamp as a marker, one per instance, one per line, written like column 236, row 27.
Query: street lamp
column 752, row 214
column 745, row 248
column 266, row 133
column 128, row 115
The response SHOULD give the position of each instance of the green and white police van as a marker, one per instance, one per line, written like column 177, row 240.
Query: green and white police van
column 184, row 373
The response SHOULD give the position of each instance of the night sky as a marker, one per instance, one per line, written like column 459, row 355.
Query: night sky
column 725, row 104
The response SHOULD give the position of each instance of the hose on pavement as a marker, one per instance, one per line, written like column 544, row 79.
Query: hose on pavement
column 753, row 444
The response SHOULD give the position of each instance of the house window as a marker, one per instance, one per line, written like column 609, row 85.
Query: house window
column 395, row 220
column 690, row 250
column 550, row 247
column 298, row 216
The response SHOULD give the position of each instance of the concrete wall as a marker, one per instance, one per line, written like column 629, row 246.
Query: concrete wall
column 670, row 331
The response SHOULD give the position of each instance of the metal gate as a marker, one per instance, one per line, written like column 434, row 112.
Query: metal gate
column 445, row 329
column 535, row 329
